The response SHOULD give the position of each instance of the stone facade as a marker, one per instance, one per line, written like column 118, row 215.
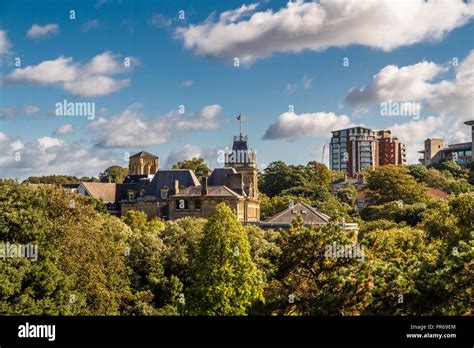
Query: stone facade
column 173, row 194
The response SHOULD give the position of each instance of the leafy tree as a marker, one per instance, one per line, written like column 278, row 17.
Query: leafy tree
column 80, row 267
column 226, row 281
column 418, row 171
column 392, row 183
column 319, row 173
column 197, row 164
column 309, row 281
column 347, row 194
column 264, row 248
column 53, row 179
column 279, row 176
column 115, row 174
column 394, row 259
column 452, row 168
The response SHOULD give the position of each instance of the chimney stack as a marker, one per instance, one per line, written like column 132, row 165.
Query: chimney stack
column 204, row 186
column 176, row 187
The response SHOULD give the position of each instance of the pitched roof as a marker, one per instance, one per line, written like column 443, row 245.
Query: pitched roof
column 103, row 191
column 134, row 178
column 219, row 176
column 144, row 154
column 186, row 178
column 310, row 216
column 212, row 191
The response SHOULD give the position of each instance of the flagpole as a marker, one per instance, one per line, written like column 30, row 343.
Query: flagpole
column 240, row 124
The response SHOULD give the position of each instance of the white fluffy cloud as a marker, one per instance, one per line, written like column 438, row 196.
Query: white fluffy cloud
column 398, row 84
column 451, row 100
column 292, row 126
column 90, row 80
column 40, row 32
column 64, row 129
column 131, row 129
column 48, row 156
column 299, row 26
column 5, row 44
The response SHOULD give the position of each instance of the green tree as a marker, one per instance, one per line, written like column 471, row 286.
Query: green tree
column 279, row 176
column 197, row 164
column 418, row 171
column 114, row 174
column 53, row 179
column 311, row 281
column 392, row 183
column 319, row 173
column 226, row 281
column 80, row 268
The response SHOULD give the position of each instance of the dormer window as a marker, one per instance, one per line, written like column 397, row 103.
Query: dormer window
column 164, row 193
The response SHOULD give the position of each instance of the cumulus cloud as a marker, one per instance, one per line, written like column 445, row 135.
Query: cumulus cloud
column 292, row 126
column 189, row 152
column 397, row 84
column 131, row 129
column 5, row 44
column 316, row 26
column 48, row 156
column 64, row 129
column 40, row 32
column 90, row 80
column 452, row 100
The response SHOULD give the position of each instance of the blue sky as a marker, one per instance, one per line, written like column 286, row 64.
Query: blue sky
column 289, row 54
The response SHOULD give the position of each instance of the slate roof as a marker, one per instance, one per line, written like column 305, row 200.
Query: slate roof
column 219, row 176
column 310, row 217
column 186, row 178
column 212, row 191
column 103, row 191
column 132, row 179
column 144, row 154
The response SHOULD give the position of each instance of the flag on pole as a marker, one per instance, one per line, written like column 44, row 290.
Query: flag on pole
column 239, row 117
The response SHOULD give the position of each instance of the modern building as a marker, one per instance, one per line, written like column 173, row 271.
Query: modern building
column 471, row 123
column 389, row 149
column 356, row 148
column 352, row 150
column 435, row 151
column 431, row 152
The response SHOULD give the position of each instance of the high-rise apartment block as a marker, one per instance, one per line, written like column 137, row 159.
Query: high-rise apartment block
column 356, row 148
column 389, row 149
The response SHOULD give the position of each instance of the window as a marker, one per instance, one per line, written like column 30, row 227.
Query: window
column 131, row 195
column 197, row 204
